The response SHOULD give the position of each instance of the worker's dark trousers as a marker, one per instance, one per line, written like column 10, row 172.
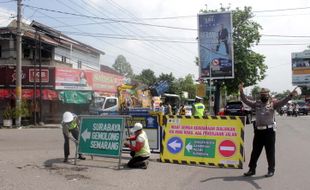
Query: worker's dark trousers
column 263, row 138
column 136, row 162
column 75, row 134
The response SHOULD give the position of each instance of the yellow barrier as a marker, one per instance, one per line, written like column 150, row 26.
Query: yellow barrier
column 213, row 141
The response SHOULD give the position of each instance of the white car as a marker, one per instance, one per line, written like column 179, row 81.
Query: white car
column 188, row 110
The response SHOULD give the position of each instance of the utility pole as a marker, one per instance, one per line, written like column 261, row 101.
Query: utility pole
column 18, row 64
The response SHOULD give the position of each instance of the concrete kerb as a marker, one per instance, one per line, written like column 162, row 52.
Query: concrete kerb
column 44, row 126
column 51, row 126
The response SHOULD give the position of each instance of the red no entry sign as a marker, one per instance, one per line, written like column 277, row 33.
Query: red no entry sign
column 227, row 148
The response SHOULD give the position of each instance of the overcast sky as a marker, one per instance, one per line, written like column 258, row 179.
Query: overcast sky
column 161, row 34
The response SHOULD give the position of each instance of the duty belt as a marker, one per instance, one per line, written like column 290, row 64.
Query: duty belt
column 263, row 127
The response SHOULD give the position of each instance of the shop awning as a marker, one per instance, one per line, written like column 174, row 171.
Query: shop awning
column 75, row 97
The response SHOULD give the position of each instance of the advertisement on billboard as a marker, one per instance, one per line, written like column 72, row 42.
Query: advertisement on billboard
column 215, row 44
column 77, row 79
column 72, row 79
column 301, row 68
column 107, row 82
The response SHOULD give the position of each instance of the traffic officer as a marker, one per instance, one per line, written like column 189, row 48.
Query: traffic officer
column 70, row 124
column 139, row 146
column 264, row 127
column 198, row 107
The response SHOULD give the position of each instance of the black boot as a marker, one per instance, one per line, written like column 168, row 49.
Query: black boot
column 249, row 173
column 66, row 159
column 269, row 174
column 81, row 157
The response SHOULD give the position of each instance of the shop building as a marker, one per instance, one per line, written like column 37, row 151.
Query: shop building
column 58, row 73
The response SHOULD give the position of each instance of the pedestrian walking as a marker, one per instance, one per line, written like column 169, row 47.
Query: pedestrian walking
column 139, row 146
column 70, row 124
column 264, row 128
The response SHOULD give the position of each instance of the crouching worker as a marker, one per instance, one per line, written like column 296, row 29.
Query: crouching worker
column 70, row 124
column 140, row 149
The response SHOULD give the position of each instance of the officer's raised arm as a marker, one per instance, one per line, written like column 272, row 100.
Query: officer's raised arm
column 243, row 98
column 282, row 102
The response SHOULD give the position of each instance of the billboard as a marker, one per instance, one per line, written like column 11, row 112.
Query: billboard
column 78, row 79
column 215, row 45
column 301, row 68
column 72, row 79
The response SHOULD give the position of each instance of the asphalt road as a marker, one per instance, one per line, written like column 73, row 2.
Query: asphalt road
column 31, row 159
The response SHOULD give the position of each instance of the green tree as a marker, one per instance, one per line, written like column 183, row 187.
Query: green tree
column 186, row 84
column 249, row 66
column 147, row 76
column 282, row 95
column 122, row 66
column 255, row 92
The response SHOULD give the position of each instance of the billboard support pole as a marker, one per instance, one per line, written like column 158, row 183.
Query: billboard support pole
column 210, row 89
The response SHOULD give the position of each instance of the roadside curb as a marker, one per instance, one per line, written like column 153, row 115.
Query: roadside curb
column 46, row 126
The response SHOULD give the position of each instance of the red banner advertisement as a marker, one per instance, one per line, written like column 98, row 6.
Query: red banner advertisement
column 76, row 79
column 72, row 79
column 106, row 82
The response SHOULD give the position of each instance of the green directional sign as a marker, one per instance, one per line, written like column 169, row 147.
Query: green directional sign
column 101, row 136
column 200, row 147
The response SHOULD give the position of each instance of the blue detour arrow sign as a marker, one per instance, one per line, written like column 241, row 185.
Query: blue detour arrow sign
column 175, row 145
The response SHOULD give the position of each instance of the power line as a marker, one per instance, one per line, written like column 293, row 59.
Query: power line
column 120, row 28
column 8, row 1
column 125, row 50
column 284, row 36
column 284, row 44
column 158, row 49
column 101, row 18
column 281, row 10
column 131, row 15
column 128, row 38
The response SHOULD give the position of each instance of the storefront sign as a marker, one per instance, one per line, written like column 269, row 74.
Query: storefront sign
column 8, row 73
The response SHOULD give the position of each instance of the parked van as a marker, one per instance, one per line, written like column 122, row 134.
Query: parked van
column 103, row 104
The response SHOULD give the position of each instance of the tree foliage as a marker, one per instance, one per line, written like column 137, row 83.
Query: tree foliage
column 255, row 92
column 122, row 66
column 147, row 76
column 249, row 66
column 282, row 95
column 186, row 84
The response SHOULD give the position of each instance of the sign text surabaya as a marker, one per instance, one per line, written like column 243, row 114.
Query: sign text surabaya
column 221, row 131
column 105, row 136
column 106, row 127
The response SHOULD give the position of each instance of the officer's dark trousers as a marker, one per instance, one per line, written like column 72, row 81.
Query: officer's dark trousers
column 263, row 138
column 75, row 134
